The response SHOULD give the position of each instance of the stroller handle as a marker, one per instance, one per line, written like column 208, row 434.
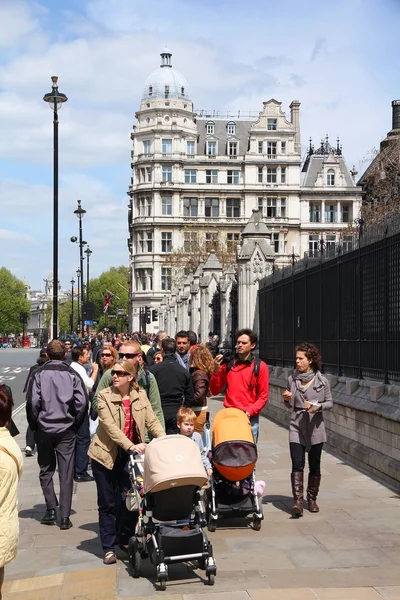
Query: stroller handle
column 136, row 458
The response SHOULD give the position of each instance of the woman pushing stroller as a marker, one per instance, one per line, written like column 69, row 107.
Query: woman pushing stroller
column 124, row 414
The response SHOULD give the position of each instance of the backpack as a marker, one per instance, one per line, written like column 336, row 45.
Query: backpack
column 256, row 370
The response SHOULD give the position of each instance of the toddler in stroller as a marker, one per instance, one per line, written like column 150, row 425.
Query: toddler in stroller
column 173, row 475
column 232, row 489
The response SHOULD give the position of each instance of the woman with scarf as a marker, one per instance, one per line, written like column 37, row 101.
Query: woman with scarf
column 308, row 394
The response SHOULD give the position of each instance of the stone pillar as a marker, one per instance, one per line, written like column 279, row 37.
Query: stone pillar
column 204, row 309
column 179, row 316
column 255, row 261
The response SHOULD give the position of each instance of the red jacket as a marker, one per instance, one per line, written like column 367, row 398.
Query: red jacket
column 242, row 387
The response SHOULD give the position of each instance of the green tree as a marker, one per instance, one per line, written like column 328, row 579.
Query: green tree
column 116, row 281
column 13, row 301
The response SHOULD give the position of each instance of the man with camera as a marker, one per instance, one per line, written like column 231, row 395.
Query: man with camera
column 245, row 377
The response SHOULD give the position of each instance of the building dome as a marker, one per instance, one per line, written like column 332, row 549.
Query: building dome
column 166, row 82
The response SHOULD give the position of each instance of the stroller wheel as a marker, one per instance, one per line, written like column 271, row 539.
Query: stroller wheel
column 135, row 558
column 211, row 579
column 211, row 524
column 256, row 523
column 163, row 584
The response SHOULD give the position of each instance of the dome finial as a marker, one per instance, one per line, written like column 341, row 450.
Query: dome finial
column 166, row 57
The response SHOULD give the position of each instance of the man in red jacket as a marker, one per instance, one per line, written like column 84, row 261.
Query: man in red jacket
column 246, row 379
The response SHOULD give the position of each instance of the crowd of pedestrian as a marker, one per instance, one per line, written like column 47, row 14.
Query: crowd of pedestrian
column 90, row 405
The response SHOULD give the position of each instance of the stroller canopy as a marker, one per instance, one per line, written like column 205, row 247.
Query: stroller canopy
column 172, row 461
column 234, row 451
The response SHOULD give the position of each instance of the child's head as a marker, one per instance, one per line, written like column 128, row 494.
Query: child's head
column 185, row 420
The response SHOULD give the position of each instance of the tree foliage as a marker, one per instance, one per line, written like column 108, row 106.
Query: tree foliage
column 115, row 280
column 13, row 301
column 198, row 245
column 381, row 185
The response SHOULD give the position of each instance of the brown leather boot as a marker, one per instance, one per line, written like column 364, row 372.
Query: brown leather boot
column 297, row 491
column 312, row 492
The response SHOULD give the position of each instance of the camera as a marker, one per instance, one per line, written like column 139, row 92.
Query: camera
column 228, row 355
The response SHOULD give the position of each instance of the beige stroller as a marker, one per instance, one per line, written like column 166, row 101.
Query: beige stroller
column 171, row 515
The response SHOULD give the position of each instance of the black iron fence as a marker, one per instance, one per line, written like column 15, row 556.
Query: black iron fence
column 347, row 305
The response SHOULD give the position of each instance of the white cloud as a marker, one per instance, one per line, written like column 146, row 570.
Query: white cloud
column 235, row 55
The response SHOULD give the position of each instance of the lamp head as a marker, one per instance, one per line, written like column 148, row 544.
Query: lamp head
column 74, row 239
column 55, row 99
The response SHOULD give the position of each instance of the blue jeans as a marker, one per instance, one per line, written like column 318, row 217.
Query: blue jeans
column 255, row 425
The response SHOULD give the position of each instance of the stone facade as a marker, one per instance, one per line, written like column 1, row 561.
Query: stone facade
column 197, row 176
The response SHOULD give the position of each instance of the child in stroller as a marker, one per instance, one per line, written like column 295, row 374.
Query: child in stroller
column 173, row 475
column 185, row 419
column 232, row 489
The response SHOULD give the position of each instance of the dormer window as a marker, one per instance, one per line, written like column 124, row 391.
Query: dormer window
column 150, row 90
column 271, row 124
column 210, row 127
column 166, row 91
column 330, row 177
column 231, row 127
column 182, row 91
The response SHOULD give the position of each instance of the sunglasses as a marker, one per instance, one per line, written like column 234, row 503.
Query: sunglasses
column 119, row 373
column 128, row 354
column 106, row 355
column 67, row 343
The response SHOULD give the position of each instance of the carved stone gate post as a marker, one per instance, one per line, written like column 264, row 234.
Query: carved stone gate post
column 255, row 261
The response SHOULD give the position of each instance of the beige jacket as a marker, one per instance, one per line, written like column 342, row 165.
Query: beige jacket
column 9, row 477
column 109, row 435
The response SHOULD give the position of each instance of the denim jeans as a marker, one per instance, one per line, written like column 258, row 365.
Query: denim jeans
column 255, row 425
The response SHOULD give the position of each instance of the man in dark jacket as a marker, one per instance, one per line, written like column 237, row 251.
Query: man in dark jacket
column 56, row 404
column 174, row 383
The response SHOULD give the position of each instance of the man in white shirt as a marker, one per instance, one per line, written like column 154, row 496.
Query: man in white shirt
column 80, row 357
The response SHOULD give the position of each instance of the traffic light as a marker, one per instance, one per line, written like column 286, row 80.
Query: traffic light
column 148, row 314
column 154, row 315
column 88, row 311
column 23, row 318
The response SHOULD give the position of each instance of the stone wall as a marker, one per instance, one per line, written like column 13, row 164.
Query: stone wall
column 363, row 427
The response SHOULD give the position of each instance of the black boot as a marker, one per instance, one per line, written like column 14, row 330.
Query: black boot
column 312, row 492
column 49, row 517
column 297, row 491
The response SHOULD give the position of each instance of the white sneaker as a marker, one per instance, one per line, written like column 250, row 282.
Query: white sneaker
column 28, row 451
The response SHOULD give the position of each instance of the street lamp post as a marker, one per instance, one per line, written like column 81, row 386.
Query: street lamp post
column 88, row 252
column 78, row 274
column 72, row 304
column 80, row 213
column 55, row 100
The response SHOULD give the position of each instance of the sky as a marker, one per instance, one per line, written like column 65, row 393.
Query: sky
column 339, row 59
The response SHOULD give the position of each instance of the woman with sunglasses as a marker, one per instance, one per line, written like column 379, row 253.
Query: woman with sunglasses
column 124, row 414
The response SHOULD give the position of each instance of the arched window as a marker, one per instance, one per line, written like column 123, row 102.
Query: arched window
column 210, row 127
column 330, row 177
column 231, row 128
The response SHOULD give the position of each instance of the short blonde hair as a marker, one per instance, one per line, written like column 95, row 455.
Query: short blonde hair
column 185, row 414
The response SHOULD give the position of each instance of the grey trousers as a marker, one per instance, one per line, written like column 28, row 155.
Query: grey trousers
column 53, row 450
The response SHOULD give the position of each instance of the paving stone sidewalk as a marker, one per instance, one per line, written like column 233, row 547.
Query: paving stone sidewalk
column 349, row 551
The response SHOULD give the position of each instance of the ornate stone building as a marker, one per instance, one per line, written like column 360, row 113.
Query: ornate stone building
column 210, row 181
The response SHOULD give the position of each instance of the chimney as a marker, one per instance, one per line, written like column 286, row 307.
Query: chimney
column 396, row 114
column 295, row 120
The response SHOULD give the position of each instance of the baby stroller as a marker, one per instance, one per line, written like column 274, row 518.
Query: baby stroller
column 234, row 455
column 171, row 516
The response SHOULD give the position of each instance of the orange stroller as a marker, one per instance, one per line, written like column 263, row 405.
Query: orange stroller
column 234, row 456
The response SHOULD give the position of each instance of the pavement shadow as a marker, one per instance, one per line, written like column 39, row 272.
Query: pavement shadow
column 280, row 502
column 178, row 573
column 90, row 527
column 35, row 512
